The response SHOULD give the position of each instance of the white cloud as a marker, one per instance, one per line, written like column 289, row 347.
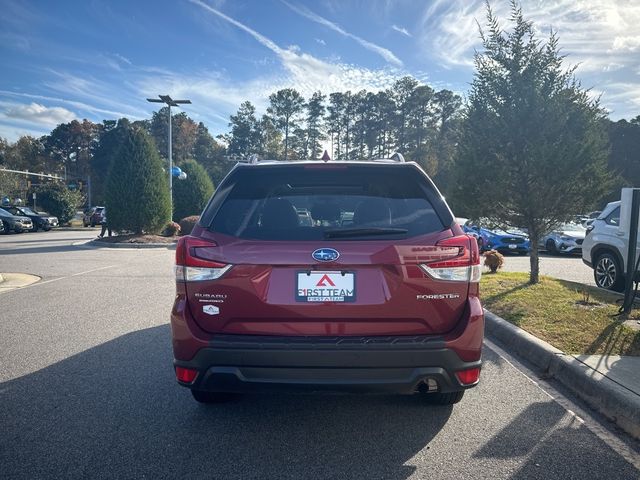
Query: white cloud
column 598, row 36
column 594, row 33
column 627, row 43
column 122, row 58
column 303, row 71
column 401, row 30
column 383, row 52
column 321, row 41
column 93, row 91
column 39, row 114
column 215, row 96
column 79, row 105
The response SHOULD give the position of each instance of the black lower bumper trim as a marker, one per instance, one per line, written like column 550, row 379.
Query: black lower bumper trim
column 334, row 367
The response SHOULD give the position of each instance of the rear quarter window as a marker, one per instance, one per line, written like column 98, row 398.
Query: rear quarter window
column 613, row 218
column 308, row 202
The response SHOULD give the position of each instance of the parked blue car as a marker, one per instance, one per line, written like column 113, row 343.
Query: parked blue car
column 502, row 239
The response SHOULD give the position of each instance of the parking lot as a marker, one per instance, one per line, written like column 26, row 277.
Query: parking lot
column 565, row 267
column 87, row 390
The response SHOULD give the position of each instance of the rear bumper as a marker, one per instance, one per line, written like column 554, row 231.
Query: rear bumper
column 242, row 363
column 399, row 364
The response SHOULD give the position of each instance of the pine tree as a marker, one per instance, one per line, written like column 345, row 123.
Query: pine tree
column 315, row 117
column 137, row 187
column 533, row 148
column 245, row 134
column 191, row 195
column 285, row 107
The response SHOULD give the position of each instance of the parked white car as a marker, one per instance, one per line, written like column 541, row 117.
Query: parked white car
column 567, row 238
column 605, row 249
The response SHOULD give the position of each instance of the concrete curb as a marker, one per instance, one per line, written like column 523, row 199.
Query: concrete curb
column 98, row 243
column 76, row 229
column 14, row 281
column 614, row 401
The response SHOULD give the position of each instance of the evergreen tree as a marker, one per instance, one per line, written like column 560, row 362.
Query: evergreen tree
column 59, row 201
column 245, row 133
column 210, row 154
column 110, row 140
column 533, row 150
column 191, row 195
column 334, row 122
column 285, row 107
column 314, row 131
column 137, row 187
column 269, row 139
column 402, row 93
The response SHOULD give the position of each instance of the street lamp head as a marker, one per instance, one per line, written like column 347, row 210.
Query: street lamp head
column 167, row 100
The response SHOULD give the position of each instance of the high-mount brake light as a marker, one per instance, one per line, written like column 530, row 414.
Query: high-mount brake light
column 463, row 264
column 190, row 267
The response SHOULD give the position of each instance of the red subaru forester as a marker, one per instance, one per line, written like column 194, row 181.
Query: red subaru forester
column 324, row 277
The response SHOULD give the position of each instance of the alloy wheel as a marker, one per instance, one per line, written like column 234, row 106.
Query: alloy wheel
column 606, row 272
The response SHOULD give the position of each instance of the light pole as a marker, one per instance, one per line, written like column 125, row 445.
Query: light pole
column 166, row 99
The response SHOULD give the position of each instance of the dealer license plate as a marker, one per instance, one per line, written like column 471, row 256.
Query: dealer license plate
column 325, row 287
column 513, row 247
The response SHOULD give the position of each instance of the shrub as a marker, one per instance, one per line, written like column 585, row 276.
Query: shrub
column 137, row 187
column 494, row 260
column 171, row 229
column 187, row 224
column 190, row 196
column 58, row 200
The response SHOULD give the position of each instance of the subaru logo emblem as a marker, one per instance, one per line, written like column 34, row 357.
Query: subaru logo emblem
column 325, row 255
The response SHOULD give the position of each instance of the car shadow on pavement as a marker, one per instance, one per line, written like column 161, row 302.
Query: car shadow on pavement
column 42, row 249
column 20, row 240
column 554, row 444
column 115, row 411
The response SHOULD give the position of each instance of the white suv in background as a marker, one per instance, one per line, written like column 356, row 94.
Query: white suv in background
column 605, row 249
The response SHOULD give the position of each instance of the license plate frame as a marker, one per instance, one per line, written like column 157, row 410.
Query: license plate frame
column 331, row 285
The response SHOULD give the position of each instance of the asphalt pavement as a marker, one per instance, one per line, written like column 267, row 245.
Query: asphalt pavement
column 564, row 267
column 87, row 391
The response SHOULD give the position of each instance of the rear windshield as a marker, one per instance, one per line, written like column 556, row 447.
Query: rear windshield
column 314, row 203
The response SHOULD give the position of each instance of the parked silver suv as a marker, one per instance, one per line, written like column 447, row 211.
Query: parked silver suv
column 605, row 249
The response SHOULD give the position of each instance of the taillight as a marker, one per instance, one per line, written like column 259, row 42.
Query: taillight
column 186, row 375
column 468, row 377
column 462, row 264
column 190, row 267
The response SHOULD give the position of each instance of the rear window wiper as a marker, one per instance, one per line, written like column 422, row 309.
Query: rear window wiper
column 362, row 232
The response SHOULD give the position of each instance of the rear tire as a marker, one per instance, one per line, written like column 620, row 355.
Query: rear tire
column 607, row 272
column 203, row 396
column 444, row 398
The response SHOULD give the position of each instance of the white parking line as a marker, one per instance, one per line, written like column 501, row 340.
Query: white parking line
column 604, row 433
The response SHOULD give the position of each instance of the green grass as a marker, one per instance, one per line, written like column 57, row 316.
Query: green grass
column 556, row 311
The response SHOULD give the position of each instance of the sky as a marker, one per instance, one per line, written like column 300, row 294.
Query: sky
column 64, row 60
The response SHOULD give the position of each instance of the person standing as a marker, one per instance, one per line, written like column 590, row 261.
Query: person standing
column 104, row 224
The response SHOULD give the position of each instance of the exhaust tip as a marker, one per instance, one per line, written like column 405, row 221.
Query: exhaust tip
column 428, row 385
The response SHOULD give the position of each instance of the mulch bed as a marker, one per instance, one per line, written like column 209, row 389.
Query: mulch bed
column 135, row 238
